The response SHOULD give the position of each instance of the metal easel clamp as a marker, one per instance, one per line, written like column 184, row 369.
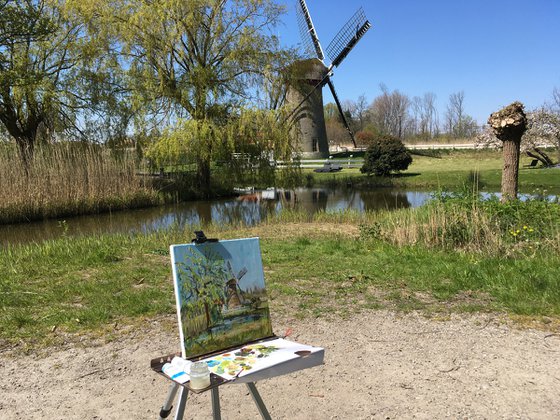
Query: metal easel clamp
column 201, row 238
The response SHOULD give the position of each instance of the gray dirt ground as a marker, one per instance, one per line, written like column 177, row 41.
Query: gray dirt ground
column 378, row 365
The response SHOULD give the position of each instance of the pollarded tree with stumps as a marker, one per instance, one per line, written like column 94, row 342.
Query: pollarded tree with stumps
column 509, row 125
column 385, row 155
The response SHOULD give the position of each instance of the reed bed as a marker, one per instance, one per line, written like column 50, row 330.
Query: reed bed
column 473, row 224
column 69, row 179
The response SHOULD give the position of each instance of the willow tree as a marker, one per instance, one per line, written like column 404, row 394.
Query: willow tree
column 26, row 70
column 195, row 59
column 258, row 135
column 509, row 125
column 49, row 71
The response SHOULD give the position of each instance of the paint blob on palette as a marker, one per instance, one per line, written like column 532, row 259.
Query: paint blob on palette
column 254, row 357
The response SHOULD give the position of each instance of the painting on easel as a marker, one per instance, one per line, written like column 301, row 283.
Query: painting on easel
column 221, row 295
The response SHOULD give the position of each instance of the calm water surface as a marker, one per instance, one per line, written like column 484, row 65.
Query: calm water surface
column 249, row 208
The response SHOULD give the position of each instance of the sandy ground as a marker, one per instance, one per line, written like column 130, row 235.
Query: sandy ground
column 378, row 365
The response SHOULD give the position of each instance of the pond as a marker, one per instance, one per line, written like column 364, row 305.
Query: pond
column 251, row 208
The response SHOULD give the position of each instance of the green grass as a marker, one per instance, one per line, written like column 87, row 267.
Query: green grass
column 350, row 275
column 449, row 170
column 60, row 290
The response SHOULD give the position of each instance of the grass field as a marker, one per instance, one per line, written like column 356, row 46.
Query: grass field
column 61, row 290
column 450, row 170
column 454, row 256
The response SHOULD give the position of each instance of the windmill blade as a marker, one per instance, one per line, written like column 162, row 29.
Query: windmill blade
column 307, row 31
column 230, row 269
column 241, row 273
column 348, row 37
column 344, row 120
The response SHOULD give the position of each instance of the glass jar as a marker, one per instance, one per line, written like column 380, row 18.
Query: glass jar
column 200, row 375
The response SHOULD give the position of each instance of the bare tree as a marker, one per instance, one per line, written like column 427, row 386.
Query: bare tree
column 454, row 113
column 389, row 112
column 415, row 112
column 424, row 116
column 556, row 99
column 430, row 118
column 358, row 110
column 457, row 123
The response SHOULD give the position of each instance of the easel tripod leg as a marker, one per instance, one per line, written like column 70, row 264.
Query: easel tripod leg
column 258, row 400
column 183, row 394
column 168, row 404
column 216, row 411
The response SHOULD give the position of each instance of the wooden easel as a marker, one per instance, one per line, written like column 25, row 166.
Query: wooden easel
column 298, row 359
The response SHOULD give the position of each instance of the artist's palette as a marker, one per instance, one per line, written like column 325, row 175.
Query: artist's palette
column 254, row 357
column 231, row 365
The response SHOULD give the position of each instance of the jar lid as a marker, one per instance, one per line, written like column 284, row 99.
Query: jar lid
column 199, row 368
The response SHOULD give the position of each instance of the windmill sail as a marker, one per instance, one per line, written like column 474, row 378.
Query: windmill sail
column 344, row 120
column 307, row 31
column 337, row 50
column 348, row 37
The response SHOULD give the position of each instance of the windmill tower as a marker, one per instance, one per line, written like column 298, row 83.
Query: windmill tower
column 234, row 295
column 307, row 78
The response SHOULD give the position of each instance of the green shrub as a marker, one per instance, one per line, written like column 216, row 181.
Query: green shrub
column 386, row 154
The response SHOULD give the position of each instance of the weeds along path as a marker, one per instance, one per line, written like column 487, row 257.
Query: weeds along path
column 379, row 364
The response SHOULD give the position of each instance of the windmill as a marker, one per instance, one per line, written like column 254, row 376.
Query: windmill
column 234, row 295
column 309, row 76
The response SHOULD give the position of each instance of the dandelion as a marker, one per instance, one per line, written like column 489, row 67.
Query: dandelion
column 524, row 227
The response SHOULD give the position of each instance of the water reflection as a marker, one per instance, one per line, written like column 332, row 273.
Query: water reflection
column 248, row 208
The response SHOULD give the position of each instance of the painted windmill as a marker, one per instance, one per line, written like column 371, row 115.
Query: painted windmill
column 310, row 75
column 234, row 295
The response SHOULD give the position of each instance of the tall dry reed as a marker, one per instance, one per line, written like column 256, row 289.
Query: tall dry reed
column 69, row 179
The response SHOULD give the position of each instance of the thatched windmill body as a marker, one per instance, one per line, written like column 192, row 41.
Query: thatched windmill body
column 308, row 77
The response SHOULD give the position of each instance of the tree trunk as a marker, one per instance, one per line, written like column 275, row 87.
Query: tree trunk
column 508, row 125
column 537, row 157
column 203, row 174
column 545, row 157
column 510, row 171
column 26, row 148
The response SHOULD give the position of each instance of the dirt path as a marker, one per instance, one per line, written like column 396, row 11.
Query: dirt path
column 378, row 365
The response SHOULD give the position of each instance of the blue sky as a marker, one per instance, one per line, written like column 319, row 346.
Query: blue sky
column 496, row 51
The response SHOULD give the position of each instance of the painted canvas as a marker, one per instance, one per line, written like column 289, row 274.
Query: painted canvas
column 221, row 296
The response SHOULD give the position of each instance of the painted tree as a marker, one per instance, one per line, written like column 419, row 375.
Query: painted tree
column 195, row 58
column 202, row 278
column 508, row 125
